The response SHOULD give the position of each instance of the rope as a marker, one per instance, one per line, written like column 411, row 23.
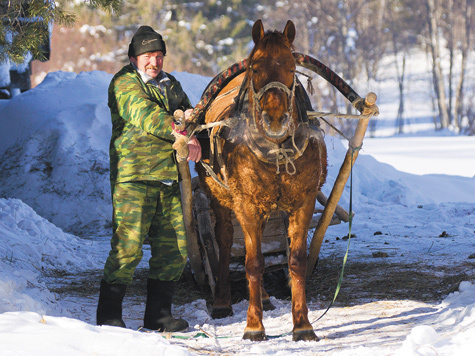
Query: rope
column 213, row 175
column 350, row 224
column 336, row 130
column 288, row 160
column 340, row 116
column 322, row 115
column 310, row 87
column 230, row 122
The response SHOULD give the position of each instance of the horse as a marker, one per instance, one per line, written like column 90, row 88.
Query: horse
column 269, row 159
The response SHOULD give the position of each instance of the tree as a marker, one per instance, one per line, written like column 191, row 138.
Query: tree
column 402, row 26
column 466, row 16
column 25, row 25
column 345, row 35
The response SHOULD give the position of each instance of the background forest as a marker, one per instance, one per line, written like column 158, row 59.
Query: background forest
column 352, row 37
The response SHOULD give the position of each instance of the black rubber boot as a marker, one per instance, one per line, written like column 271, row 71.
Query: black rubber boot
column 158, row 315
column 109, row 308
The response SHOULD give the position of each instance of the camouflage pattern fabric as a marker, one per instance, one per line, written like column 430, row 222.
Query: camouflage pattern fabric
column 141, row 157
column 141, row 142
column 142, row 208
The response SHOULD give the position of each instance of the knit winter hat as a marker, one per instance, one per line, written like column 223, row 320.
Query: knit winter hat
column 146, row 40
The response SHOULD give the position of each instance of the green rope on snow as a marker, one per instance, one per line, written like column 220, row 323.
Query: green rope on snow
column 350, row 223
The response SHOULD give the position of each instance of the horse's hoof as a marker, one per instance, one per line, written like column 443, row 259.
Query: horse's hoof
column 267, row 305
column 304, row 335
column 255, row 336
column 221, row 312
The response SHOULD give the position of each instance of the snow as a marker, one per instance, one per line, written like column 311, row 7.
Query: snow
column 55, row 216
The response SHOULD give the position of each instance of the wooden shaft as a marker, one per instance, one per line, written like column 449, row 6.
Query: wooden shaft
column 207, row 238
column 194, row 254
column 340, row 182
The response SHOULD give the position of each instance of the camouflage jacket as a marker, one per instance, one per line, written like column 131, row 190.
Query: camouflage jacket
column 141, row 142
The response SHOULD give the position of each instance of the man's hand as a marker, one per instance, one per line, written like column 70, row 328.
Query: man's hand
column 194, row 150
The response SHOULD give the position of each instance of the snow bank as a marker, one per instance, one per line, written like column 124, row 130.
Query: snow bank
column 51, row 336
column 30, row 247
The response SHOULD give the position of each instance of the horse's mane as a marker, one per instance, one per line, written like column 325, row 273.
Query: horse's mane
column 270, row 39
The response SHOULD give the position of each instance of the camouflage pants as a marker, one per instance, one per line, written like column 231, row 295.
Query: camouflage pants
column 142, row 208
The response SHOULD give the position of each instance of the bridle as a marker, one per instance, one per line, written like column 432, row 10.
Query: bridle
column 272, row 85
column 260, row 145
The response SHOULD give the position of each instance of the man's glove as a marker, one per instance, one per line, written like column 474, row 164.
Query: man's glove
column 186, row 147
column 181, row 140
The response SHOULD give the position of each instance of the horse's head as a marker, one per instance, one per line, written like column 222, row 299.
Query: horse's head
column 272, row 81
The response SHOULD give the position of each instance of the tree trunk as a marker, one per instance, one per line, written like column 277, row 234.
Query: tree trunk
column 400, row 72
column 433, row 15
column 451, row 46
column 464, row 54
column 400, row 111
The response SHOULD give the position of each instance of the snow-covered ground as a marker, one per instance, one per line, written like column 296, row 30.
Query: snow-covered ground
column 54, row 172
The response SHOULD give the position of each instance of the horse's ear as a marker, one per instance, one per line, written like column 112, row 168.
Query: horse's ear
column 289, row 31
column 257, row 31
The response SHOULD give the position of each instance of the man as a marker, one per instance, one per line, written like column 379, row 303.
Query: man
column 144, row 182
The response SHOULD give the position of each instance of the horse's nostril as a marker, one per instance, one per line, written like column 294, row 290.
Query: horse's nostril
column 286, row 117
column 265, row 119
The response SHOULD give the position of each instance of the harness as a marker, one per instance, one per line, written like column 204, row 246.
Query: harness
column 241, row 125
column 232, row 128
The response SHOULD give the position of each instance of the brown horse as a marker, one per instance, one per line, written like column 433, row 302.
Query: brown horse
column 268, row 160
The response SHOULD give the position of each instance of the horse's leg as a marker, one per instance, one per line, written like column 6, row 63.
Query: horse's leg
column 252, row 229
column 224, row 236
column 298, row 225
column 266, row 303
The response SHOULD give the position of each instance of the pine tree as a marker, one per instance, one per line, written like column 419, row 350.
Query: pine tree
column 25, row 25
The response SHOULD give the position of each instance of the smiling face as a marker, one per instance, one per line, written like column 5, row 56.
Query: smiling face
column 150, row 63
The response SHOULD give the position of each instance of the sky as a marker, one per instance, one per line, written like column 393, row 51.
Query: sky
column 55, row 215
